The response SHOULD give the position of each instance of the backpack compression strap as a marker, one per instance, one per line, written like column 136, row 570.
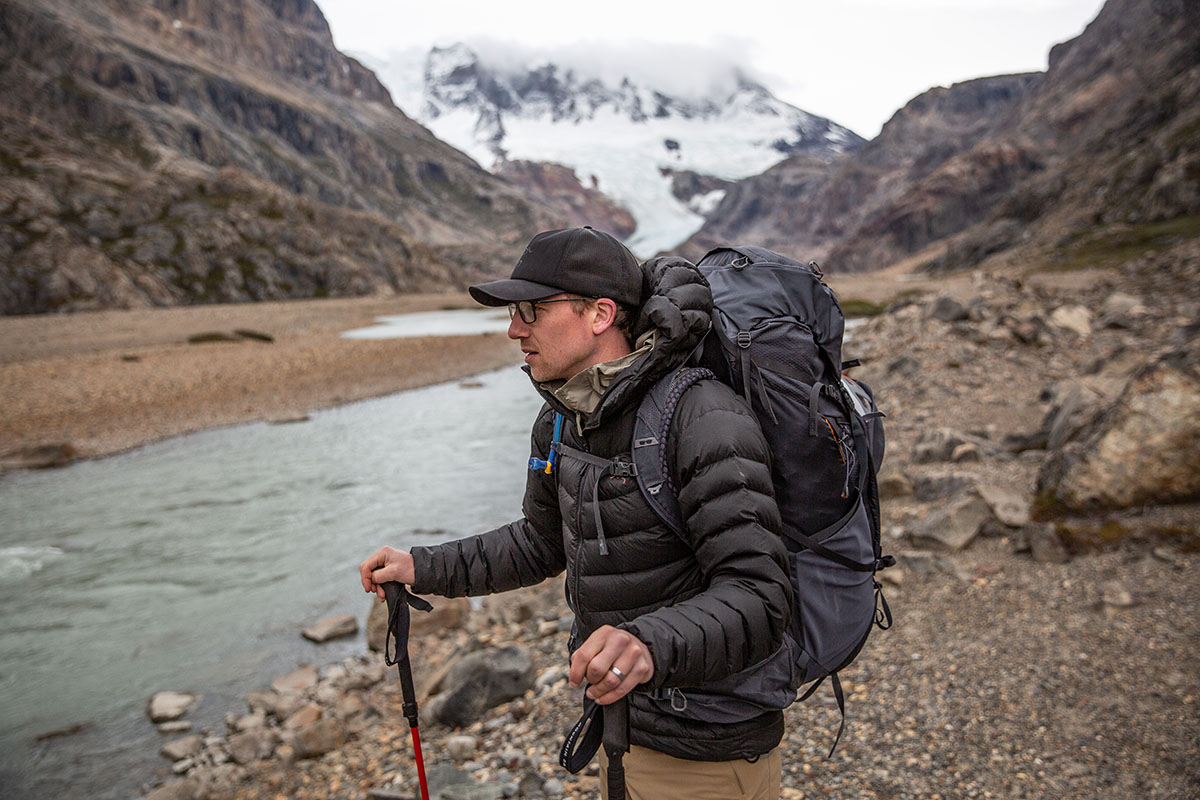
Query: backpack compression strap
column 649, row 437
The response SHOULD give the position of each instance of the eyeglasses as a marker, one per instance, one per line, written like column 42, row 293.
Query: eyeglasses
column 528, row 308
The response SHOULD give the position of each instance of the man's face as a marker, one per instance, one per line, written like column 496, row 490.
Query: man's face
column 559, row 344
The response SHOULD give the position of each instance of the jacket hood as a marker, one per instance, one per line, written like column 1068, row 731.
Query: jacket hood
column 679, row 310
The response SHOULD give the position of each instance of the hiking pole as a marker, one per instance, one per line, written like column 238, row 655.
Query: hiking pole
column 398, row 601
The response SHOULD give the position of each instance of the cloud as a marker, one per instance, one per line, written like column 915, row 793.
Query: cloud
column 682, row 70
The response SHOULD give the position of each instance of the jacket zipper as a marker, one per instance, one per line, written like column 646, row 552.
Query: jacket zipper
column 578, row 531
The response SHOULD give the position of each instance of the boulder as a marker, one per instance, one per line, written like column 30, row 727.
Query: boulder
column 1009, row 507
column 183, row 789
column 534, row 602
column 1145, row 448
column 303, row 717
column 318, row 738
column 252, row 745
column 1115, row 597
column 481, row 680
column 1073, row 318
column 166, row 706
column 449, row 613
column 1120, row 309
column 893, row 483
column 331, row 628
column 952, row 527
column 461, row 748
column 183, row 747
column 1074, row 406
column 297, row 681
column 936, row 445
column 1045, row 545
column 947, row 309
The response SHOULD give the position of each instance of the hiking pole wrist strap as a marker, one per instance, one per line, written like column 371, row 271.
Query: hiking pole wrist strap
column 398, row 601
column 600, row 725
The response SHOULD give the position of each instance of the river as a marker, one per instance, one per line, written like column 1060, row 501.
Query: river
column 191, row 565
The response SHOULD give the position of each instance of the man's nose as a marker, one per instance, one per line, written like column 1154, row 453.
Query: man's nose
column 518, row 328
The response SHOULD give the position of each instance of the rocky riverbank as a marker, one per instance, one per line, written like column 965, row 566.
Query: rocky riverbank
column 1040, row 484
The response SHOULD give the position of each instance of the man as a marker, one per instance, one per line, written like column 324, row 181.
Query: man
column 671, row 622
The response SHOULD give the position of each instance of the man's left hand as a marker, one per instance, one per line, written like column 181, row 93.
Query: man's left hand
column 606, row 648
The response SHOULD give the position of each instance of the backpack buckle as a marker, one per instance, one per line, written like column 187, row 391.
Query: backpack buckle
column 743, row 339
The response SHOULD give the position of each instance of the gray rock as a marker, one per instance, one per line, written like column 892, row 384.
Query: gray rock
column 1075, row 406
column 319, row 738
column 1114, row 594
column 947, row 309
column 331, row 628
column 303, row 717
column 184, row 747
column 1141, row 450
column 1074, row 318
column 480, row 681
column 1120, row 309
column 252, row 745
column 904, row 367
column 893, row 483
column 553, row 788
column 953, row 527
column 921, row 562
column 461, row 748
column 940, row 487
column 936, row 445
column 1045, row 545
column 966, row 453
column 364, row 676
column 304, row 678
column 174, row 726
column 444, row 776
column 1009, row 507
column 167, row 706
column 186, row 789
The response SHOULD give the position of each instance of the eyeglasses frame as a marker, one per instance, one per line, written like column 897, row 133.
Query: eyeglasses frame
column 516, row 308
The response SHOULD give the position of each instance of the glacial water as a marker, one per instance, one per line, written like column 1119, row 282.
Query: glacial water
column 192, row 564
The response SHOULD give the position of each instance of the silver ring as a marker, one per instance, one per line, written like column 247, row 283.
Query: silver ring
column 620, row 675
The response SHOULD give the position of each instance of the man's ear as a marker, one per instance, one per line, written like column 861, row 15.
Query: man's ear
column 606, row 315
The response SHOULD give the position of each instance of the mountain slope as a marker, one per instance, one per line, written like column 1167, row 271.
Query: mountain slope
column 216, row 150
column 1002, row 167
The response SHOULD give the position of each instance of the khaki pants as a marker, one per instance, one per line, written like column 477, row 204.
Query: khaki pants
column 651, row 775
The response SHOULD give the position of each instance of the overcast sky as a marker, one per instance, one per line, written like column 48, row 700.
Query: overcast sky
column 853, row 61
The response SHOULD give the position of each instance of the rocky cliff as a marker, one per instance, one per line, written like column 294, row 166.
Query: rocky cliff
column 184, row 151
column 1095, row 157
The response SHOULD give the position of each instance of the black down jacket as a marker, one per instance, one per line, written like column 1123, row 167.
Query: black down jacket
column 707, row 607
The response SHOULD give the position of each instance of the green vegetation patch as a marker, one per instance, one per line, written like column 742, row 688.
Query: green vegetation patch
column 1110, row 534
column 1116, row 245
column 854, row 307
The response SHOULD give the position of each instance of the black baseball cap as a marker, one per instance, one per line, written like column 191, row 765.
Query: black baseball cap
column 582, row 261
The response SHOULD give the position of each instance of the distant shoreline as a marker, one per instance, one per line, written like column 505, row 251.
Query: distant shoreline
column 94, row 384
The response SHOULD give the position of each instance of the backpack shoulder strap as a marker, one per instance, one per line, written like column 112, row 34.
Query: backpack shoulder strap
column 650, row 432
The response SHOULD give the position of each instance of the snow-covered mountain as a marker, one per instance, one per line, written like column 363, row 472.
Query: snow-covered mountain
column 625, row 133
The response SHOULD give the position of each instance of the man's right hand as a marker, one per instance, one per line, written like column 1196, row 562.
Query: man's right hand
column 388, row 564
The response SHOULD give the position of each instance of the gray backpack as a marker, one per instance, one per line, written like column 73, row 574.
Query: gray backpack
column 777, row 339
